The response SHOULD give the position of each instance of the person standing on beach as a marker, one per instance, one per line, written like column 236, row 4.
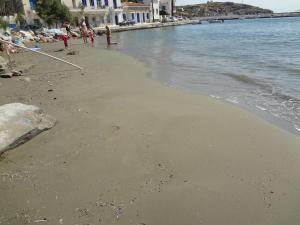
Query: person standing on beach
column 65, row 40
column 68, row 29
column 92, row 36
column 83, row 29
column 108, row 35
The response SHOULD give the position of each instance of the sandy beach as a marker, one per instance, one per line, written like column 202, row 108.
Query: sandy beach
column 129, row 150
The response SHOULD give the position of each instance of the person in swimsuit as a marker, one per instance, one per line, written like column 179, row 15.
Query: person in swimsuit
column 108, row 35
column 68, row 29
column 92, row 36
column 83, row 29
column 65, row 40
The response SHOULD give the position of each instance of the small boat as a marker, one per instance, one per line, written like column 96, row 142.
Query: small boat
column 216, row 21
column 200, row 22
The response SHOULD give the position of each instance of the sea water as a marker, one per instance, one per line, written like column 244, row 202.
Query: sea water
column 251, row 63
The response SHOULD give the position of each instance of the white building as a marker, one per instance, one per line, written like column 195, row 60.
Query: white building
column 154, row 8
column 138, row 12
column 102, row 12
column 167, row 6
column 29, row 12
column 97, row 12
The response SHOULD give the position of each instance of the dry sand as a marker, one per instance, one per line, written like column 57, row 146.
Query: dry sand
column 128, row 150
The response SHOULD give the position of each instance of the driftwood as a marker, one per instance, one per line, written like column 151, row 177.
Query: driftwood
column 42, row 53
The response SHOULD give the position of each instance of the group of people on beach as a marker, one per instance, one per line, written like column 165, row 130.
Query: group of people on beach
column 85, row 33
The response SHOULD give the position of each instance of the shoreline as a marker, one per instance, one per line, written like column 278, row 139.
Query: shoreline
column 101, row 30
column 129, row 150
column 249, row 17
column 193, row 21
column 262, row 114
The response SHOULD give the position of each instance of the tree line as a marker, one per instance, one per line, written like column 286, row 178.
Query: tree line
column 51, row 12
column 10, row 7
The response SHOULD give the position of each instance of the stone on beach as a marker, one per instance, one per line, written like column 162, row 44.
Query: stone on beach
column 73, row 53
column 19, row 123
column 9, row 70
column 16, row 73
column 6, row 75
column 10, row 74
column 4, row 72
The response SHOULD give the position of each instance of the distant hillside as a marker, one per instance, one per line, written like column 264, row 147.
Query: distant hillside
column 219, row 8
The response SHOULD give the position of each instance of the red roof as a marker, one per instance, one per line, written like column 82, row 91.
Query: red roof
column 139, row 4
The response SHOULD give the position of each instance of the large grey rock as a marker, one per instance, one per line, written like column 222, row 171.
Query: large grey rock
column 19, row 123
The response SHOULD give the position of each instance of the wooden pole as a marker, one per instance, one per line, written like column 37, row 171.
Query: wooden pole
column 43, row 53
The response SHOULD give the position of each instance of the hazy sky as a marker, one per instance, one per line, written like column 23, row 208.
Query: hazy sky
column 275, row 5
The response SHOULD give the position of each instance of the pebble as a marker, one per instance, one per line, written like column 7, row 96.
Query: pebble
column 16, row 73
column 6, row 75
column 42, row 220
column 73, row 53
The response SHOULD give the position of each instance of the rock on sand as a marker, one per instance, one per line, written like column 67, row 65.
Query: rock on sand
column 19, row 123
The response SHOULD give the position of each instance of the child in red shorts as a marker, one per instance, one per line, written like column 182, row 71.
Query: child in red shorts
column 65, row 38
column 92, row 36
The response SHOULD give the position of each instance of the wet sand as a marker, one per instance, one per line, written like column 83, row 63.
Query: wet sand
column 128, row 150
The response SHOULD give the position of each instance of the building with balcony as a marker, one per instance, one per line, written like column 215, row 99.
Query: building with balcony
column 138, row 12
column 101, row 12
column 154, row 9
column 96, row 12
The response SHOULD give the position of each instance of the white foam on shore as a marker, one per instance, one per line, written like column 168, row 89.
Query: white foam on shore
column 297, row 127
column 215, row 96
column 275, row 114
column 261, row 108
column 234, row 101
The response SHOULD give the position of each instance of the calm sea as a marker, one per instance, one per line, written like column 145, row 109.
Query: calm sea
column 251, row 63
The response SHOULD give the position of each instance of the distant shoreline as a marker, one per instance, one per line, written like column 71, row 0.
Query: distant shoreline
column 101, row 30
column 193, row 21
column 237, row 17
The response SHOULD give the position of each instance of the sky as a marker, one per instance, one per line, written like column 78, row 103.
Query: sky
column 275, row 5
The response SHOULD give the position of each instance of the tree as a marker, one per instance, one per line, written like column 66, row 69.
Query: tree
column 10, row 7
column 3, row 24
column 20, row 19
column 64, row 14
column 46, row 10
column 53, row 11
column 81, row 7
